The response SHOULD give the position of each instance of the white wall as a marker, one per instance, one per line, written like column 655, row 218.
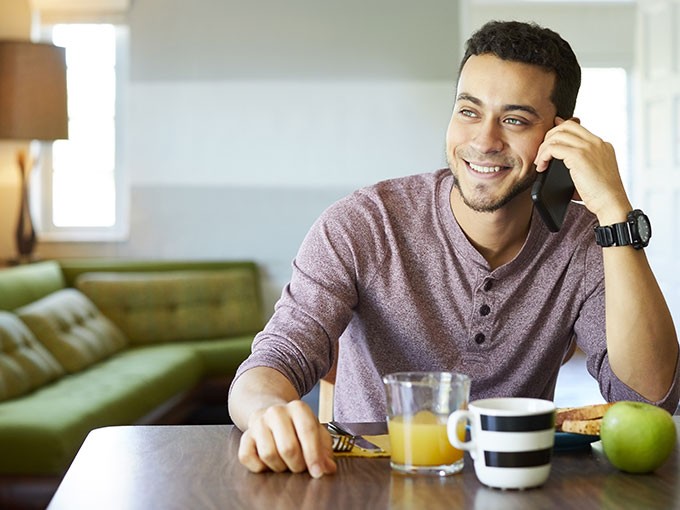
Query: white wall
column 601, row 33
column 310, row 133
column 294, row 94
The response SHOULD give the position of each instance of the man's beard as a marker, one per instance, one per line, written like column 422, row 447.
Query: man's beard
column 486, row 204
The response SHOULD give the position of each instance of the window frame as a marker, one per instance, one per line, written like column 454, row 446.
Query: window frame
column 41, row 181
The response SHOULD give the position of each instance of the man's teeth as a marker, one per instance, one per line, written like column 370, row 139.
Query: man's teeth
column 485, row 169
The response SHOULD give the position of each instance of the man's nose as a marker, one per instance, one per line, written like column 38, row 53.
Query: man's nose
column 489, row 137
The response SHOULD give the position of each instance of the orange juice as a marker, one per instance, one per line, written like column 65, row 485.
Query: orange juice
column 421, row 440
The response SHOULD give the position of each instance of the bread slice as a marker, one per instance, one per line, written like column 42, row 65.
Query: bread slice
column 587, row 427
column 583, row 413
column 561, row 414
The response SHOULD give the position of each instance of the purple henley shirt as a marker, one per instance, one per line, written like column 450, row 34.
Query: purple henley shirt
column 386, row 281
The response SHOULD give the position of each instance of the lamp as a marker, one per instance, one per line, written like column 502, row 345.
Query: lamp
column 32, row 107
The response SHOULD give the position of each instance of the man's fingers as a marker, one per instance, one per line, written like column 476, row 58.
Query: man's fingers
column 567, row 141
column 316, row 445
column 277, row 442
column 287, row 437
column 248, row 456
column 289, row 440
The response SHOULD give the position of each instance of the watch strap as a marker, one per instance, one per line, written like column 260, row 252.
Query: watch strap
column 635, row 231
column 617, row 234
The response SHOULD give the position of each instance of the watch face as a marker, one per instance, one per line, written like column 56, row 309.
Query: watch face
column 643, row 227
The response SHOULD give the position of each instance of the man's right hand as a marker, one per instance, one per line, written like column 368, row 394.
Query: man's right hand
column 281, row 432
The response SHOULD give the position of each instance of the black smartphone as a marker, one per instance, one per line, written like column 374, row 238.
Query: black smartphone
column 552, row 191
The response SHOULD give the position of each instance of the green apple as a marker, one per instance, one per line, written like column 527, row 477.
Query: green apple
column 637, row 437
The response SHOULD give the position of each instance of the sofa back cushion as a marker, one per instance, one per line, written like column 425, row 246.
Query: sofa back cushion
column 154, row 307
column 24, row 284
column 24, row 363
column 72, row 329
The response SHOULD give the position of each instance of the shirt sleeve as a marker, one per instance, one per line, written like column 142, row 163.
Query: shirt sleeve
column 591, row 338
column 301, row 338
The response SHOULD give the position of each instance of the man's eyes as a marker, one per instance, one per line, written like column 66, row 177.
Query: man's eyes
column 515, row 122
column 512, row 121
column 467, row 113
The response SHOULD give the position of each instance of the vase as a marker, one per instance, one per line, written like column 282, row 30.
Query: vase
column 25, row 234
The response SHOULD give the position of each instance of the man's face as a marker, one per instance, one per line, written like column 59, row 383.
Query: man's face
column 502, row 112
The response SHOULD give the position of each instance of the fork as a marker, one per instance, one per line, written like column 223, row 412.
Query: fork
column 335, row 428
column 338, row 429
column 342, row 443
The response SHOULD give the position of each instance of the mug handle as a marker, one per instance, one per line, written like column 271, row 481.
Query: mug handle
column 452, row 429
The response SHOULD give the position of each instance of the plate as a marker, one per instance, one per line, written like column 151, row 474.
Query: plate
column 565, row 441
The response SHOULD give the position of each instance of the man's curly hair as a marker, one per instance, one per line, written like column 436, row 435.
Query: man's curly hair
column 530, row 43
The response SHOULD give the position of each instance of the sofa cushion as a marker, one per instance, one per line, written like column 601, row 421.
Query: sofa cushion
column 24, row 363
column 24, row 284
column 72, row 329
column 221, row 356
column 40, row 434
column 168, row 306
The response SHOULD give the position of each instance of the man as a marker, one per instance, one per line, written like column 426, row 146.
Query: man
column 453, row 271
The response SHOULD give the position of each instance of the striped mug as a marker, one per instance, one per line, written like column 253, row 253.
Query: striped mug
column 511, row 440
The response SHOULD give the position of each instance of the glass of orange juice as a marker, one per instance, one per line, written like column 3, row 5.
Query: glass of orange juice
column 418, row 408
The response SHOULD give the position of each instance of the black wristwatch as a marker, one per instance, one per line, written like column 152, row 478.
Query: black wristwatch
column 635, row 231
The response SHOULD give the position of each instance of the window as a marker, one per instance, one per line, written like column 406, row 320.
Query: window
column 82, row 198
column 603, row 107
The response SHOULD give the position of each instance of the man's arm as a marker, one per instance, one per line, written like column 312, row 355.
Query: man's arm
column 280, row 432
column 641, row 339
column 642, row 344
column 301, row 341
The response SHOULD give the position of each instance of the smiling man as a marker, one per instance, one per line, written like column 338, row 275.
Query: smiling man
column 453, row 271
column 491, row 143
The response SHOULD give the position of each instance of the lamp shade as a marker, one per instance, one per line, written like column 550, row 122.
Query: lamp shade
column 32, row 91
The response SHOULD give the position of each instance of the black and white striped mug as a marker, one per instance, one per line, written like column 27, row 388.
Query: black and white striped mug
column 511, row 440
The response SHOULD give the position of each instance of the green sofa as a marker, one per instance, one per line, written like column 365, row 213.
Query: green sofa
column 93, row 343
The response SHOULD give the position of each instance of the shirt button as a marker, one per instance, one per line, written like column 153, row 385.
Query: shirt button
column 479, row 338
column 488, row 285
column 484, row 310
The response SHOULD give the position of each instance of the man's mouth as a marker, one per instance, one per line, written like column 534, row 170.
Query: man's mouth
column 485, row 169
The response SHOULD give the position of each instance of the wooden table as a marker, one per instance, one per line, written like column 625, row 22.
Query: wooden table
column 196, row 467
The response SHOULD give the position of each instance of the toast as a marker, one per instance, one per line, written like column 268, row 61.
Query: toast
column 581, row 420
column 586, row 427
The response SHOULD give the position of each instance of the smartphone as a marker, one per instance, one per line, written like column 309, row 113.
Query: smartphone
column 552, row 191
